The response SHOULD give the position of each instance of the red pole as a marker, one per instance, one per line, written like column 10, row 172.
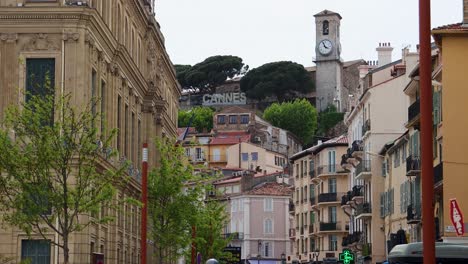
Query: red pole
column 194, row 246
column 144, row 200
column 425, row 68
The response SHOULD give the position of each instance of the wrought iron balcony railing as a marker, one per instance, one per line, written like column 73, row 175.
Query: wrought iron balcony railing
column 413, row 111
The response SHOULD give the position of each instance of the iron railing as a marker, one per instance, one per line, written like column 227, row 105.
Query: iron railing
column 327, row 197
column 413, row 111
column 363, row 166
column 413, row 165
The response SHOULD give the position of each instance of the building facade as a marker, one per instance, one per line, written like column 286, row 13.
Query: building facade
column 318, row 223
column 258, row 210
column 112, row 50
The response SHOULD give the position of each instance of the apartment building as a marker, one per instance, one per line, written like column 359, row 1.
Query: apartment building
column 113, row 50
column 258, row 209
column 370, row 127
column 319, row 183
column 450, row 162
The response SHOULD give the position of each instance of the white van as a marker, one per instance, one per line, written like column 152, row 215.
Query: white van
column 413, row 253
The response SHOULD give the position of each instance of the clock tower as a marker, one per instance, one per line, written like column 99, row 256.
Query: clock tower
column 329, row 66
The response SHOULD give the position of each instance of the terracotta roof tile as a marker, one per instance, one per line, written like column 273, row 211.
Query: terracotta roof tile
column 457, row 26
column 230, row 138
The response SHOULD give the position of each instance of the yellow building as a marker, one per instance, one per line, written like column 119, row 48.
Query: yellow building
column 452, row 41
column 319, row 184
column 108, row 49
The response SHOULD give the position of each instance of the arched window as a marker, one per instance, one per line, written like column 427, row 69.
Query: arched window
column 325, row 27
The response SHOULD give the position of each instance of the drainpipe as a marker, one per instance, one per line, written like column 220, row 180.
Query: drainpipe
column 427, row 174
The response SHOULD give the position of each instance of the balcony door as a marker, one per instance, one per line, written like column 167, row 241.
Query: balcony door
column 331, row 161
column 332, row 218
column 332, row 185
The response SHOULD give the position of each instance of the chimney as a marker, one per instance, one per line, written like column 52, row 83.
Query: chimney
column 465, row 13
column 384, row 51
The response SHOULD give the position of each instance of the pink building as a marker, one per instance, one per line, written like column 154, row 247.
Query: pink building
column 259, row 221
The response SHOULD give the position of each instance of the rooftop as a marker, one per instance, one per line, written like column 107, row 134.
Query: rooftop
column 271, row 189
column 230, row 138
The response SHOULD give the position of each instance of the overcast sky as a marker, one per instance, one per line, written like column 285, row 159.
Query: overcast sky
column 262, row 31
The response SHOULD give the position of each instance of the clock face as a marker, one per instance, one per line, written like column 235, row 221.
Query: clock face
column 325, row 47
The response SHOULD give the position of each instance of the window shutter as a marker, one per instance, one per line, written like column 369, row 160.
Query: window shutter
column 401, row 198
column 382, row 213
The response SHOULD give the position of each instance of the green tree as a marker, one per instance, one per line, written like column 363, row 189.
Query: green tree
column 202, row 118
column 210, row 73
column 328, row 119
column 177, row 204
column 171, row 209
column 283, row 79
column 49, row 179
column 298, row 117
column 210, row 222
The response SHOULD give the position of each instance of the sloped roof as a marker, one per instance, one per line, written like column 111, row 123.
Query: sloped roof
column 230, row 138
column 340, row 140
column 271, row 189
column 455, row 27
column 327, row 13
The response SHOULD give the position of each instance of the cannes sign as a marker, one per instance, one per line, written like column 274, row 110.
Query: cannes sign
column 225, row 99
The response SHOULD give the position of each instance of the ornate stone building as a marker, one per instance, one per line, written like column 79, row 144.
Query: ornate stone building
column 113, row 50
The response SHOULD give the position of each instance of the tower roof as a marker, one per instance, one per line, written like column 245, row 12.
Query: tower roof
column 327, row 13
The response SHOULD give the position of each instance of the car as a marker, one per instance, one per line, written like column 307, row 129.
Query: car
column 412, row 253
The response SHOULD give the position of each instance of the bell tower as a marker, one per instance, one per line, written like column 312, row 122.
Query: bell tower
column 329, row 65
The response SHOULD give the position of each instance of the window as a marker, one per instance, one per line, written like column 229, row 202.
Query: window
column 325, row 27
column 232, row 119
column 404, row 155
column 332, row 214
column 236, row 189
column 198, row 154
column 331, row 161
column 234, row 206
column 119, row 123
column 93, row 91
column 216, row 155
column 332, row 243
column 267, row 249
column 244, row 119
column 40, row 79
column 332, row 185
column 36, row 251
column 254, row 156
column 268, row 204
column 268, row 226
column 221, row 119
column 103, row 105
column 126, row 145
column 245, row 156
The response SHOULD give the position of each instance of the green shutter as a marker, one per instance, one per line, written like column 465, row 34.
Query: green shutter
column 382, row 209
column 401, row 198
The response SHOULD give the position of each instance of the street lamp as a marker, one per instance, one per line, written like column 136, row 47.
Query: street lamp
column 283, row 258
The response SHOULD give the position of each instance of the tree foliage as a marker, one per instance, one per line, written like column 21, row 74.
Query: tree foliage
column 49, row 179
column 211, row 72
column 210, row 222
column 298, row 117
column 176, row 204
column 202, row 118
column 281, row 79
column 328, row 119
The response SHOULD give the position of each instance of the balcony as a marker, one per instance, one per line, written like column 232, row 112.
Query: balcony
column 351, row 239
column 331, row 227
column 357, row 149
column 357, row 194
column 311, row 229
column 413, row 165
column 331, row 169
column 438, row 174
column 366, row 127
column 413, row 114
column 363, row 170
column 345, row 199
column 292, row 207
column 413, row 214
column 234, row 236
column 328, row 198
column 366, row 249
column 363, row 211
